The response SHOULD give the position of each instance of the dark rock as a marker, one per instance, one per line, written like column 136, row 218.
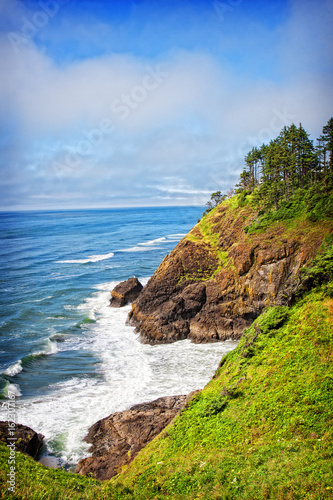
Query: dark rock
column 175, row 294
column 125, row 292
column 26, row 440
column 117, row 439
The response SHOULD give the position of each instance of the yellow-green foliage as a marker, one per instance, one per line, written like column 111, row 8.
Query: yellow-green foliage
column 204, row 233
column 33, row 480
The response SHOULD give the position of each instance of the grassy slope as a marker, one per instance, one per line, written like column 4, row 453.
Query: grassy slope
column 262, row 428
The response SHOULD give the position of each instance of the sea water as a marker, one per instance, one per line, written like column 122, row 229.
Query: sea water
column 69, row 357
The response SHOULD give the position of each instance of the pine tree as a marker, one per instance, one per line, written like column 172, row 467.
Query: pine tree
column 275, row 171
column 328, row 139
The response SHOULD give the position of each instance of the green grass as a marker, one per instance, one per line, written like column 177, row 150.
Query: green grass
column 313, row 204
column 33, row 480
column 261, row 429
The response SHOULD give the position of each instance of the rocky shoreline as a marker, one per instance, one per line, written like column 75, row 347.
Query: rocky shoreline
column 115, row 440
column 26, row 439
column 118, row 438
column 125, row 292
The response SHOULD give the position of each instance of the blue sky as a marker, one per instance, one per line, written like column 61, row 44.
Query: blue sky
column 147, row 103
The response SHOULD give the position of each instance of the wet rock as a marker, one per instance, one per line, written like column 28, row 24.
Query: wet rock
column 125, row 292
column 26, row 439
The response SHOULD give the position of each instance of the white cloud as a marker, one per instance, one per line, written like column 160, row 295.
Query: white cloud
column 186, row 115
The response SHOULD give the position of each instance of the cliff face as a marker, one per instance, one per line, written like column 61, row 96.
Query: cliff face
column 219, row 277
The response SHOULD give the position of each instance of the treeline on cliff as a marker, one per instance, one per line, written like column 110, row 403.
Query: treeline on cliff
column 291, row 167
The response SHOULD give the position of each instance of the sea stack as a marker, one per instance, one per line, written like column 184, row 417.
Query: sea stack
column 125, row 292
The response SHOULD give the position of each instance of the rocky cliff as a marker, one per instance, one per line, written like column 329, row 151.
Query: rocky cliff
column 223, row 273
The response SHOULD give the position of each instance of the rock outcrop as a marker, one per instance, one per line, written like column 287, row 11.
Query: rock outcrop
column 117, row 439
column 125, row 292
column 219, row 278
column 26, row 440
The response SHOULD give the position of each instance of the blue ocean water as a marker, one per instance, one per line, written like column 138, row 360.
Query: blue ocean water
column 69, row 358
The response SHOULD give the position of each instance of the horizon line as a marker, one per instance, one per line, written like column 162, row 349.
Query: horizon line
column 97, row 208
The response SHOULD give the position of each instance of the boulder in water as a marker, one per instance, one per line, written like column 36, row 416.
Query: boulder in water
column 125, row 292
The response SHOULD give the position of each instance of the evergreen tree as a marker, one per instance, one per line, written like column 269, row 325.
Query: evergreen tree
column 276, row 170
column 328, row 140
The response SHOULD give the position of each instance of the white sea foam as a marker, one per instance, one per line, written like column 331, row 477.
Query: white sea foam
column 153, row 242
column 31, row 301
column 129, row 373
column 91, row 258
column 14, row 369
column 138, row 248
column 40, row 300
column 52, row 347
column 176, row 236
column 69, row 307
column 12, row 389
column 144, row 280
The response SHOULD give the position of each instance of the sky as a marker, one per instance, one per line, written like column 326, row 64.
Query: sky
column 152, row 103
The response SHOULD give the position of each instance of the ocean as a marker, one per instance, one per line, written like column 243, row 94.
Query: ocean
column 69, row 357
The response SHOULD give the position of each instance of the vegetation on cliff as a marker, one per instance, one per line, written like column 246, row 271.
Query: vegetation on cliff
column 277, row 171
column 233, row 263
column 248, row 250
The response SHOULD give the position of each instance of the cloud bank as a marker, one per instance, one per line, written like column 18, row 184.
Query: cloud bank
column 165, row 123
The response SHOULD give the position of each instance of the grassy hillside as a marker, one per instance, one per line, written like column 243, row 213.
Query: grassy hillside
column 261, row 429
